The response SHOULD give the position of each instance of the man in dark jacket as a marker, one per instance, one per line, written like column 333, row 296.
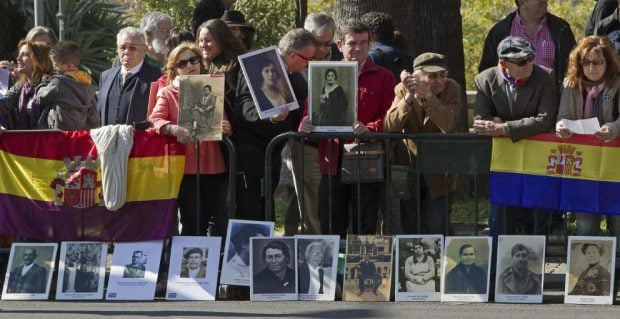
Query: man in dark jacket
column 28, row 278
column 550, row 35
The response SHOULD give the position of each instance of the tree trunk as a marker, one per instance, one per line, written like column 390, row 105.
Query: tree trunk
column 301, row 11
column 428, row 25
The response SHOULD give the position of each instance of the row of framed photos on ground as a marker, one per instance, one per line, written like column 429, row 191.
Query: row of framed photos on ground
column 306, row 268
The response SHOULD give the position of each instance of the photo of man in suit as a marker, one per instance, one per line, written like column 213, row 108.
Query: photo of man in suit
column 311, row 272
column 195, row 264
column 124, row 90
column 136, row 269
column 29, row 277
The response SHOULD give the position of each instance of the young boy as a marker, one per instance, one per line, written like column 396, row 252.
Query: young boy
column 68, row 100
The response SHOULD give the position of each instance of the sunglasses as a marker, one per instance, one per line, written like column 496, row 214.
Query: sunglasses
column 522, row 61
column 592, row 63
column 183, row 63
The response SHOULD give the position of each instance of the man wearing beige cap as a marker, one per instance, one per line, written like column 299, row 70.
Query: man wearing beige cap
column 426, row 101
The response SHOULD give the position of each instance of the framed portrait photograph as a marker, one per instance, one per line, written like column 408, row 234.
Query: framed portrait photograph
column 267, row 78
column 193, row 270
column 520, row 269
column 274, row 269
column 317, row 266
column 332, row 100
column 201, row 105
column 236, row 263
column 81, row 270
column 418, row 272
column 29, row 271
column 133, row 275
column 466, row 268
column 590, row 270
column 368, row 268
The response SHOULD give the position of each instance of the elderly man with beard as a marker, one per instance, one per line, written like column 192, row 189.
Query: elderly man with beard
column 517, row 279
column 156, row 27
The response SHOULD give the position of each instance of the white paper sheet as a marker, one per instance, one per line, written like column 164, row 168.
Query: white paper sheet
column 587, row 126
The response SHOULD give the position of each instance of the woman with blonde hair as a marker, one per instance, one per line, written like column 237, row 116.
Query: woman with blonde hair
column 186, row 59
column 591, row 89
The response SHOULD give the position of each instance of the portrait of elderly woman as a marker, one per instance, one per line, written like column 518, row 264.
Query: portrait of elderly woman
column 595, row 279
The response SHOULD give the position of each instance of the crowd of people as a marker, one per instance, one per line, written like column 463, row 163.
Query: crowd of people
column 533, row 74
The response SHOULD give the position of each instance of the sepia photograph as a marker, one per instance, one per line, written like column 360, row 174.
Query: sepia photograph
column 332, row 100
column 590, row 274
column 466, row 269
column 201, row 105
column 133, row 275
column 274, row 270
column 81, row 271
column 317, row 264
column 520, row 269
column 236, row 268
column 267, row 78
column 29, row 272
column 368, row 268
column 419, row 267
column 193, row 271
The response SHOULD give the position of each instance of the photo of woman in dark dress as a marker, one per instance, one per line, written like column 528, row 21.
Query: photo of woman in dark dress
column 333, row 107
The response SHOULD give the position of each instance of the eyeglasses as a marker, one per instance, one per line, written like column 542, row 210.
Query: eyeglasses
column 522, row 61
column 183, row 63
column 301, row 56
column 592, row 63
column 131, row 47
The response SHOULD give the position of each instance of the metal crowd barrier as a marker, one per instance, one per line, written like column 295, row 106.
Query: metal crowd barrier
column 443, row 154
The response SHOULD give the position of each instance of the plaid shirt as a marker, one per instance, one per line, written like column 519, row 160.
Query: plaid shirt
column 542, row 41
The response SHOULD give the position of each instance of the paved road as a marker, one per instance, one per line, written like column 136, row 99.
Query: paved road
column 341, row 310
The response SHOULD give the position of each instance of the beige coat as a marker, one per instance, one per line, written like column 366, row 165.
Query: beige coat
column 438, row 115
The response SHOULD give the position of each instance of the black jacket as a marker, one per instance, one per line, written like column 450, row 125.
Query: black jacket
column 561, row 33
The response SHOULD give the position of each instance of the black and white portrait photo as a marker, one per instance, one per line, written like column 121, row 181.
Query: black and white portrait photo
column 333, row 95
column 520, row 269
column 135, row 266
column 30, row 270
column 419, row 267
column 193, row 270
column 201, row 105
column 236, row 268
column 466, row 269
column 274, row 270
column 81, row 270
column 269, row 84
column 317, row 262
column 590, row 274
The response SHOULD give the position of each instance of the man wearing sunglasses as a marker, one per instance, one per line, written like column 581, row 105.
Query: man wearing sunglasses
column 515, row 99
column 124, row 89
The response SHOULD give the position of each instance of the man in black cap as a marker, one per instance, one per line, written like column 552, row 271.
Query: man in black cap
column 515, row 99
column 426, row 101
column 194, row 264
column 241, row 30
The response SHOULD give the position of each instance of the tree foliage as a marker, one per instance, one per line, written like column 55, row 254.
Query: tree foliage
column 272, row 19
column 480, row 15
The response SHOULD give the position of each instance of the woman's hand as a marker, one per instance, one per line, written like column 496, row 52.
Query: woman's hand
column 306, row 126
column 604, row 133
column 181, row 133
column 561, row 131
column 226, row 128
column 281, row 116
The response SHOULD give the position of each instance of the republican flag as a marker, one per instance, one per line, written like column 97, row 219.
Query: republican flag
column 50, row 187
column 579, row 174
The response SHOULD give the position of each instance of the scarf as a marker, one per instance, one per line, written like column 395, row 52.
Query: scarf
column 512, row 81
column 592, row 91
column 25, row 94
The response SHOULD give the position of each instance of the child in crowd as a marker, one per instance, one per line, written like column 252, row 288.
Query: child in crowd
column 68, row 101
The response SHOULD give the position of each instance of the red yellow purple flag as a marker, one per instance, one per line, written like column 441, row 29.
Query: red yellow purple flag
column 579, row 174
column 50, row 187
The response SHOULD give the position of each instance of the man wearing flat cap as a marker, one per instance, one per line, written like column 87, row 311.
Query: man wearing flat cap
column 514, row 99
column 426, row 101
column 194, row 264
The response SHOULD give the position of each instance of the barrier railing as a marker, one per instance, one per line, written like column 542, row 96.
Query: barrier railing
column 459, row 153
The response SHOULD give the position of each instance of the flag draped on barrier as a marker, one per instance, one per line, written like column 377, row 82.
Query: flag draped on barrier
column 579, row 174
column 50, row 187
